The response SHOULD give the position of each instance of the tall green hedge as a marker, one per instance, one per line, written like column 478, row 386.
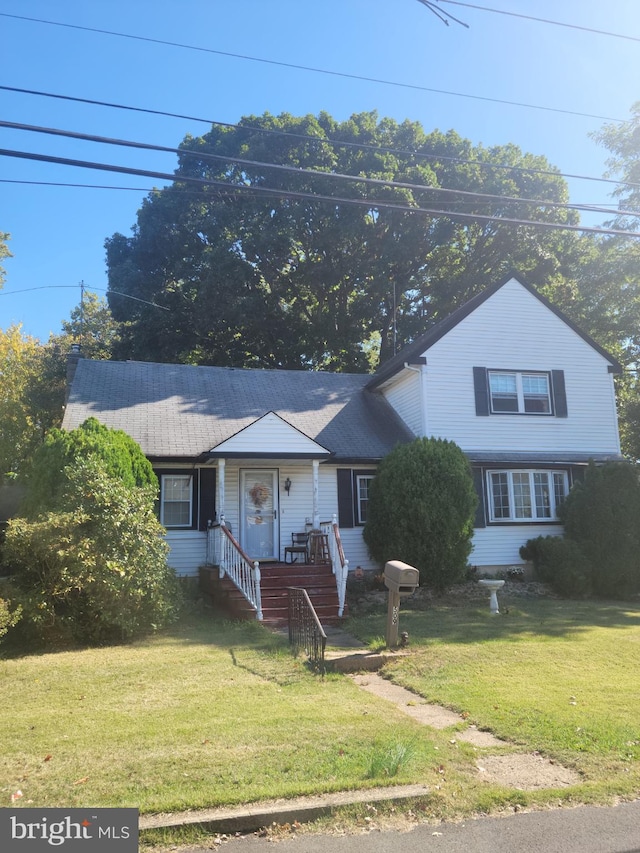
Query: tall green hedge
column 119, row 454
column 421, row 510
column 600, row 554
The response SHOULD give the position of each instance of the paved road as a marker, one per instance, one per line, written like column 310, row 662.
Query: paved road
column 587, row 829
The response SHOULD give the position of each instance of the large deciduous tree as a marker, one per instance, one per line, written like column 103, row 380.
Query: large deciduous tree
column 274, row 268
column 619, row 292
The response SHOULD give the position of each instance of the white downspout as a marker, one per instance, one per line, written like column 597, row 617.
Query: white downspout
column 316, row 494
column 221, row 472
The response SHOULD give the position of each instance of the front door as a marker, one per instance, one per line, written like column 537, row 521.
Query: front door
column 259, row 513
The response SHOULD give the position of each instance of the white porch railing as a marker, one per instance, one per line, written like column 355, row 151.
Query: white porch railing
column 339, row 563
column 224, row 550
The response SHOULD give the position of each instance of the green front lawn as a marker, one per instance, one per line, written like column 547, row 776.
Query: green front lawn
column 556, row 676
column 208, row 713
column 213, row 712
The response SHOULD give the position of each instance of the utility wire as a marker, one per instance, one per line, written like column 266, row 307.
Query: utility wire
column 335, row 176
column 326, row 71
column 362, row 146
column 541, row 20
column 82, row 291
column 441, row 14
column 268, row 191
column 612, row 209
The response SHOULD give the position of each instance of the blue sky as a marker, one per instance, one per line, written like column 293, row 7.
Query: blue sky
column 58, row 233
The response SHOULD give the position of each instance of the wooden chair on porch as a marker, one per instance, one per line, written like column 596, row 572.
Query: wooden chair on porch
column 299, row 545
column 318, row 547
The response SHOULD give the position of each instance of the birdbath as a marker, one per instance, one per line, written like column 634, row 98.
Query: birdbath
column 493, row 586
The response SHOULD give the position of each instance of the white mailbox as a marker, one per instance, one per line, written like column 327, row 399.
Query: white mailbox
column 401, row 578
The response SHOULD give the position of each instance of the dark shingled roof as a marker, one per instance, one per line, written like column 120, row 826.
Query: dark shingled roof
column 182, row 411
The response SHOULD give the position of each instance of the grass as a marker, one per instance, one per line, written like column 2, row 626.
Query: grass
column 555, row 676
column 209, row 713
column 219, row 713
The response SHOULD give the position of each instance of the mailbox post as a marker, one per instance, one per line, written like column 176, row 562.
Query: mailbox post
column 401, row 580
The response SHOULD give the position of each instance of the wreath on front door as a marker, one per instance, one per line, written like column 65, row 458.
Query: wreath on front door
column 259, row 494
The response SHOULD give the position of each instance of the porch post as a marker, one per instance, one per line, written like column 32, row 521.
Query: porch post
column 316, row 494
column 221, row 462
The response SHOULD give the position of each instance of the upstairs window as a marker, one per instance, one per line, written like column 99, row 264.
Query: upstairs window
column 520, row 393
column 526, row 495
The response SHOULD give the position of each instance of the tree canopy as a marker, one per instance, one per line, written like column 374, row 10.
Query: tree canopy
column 286, row 268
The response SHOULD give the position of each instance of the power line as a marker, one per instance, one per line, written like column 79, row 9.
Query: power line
column 584, row 206
column 269, row 191
column 441, row 14
column 413, row 86
column 541, row 20
column 82, row 291
column 335, row 176
column 74, row 186
column 325, row 140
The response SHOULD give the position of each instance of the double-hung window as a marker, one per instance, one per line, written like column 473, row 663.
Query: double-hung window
column 176, row 496
column 363, row 482
column 519, row 392
column 526, row 495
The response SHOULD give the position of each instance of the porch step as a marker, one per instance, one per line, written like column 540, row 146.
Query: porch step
column 317, row 579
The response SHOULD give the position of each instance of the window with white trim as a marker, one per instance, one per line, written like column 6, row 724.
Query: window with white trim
column 526, row 495
column 176, row 496
column 519, row 392
column 363, row 483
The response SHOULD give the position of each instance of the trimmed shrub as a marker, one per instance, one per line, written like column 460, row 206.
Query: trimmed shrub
column 421, row 509
column 560, row 563
column 602, row 514
column 97, row 565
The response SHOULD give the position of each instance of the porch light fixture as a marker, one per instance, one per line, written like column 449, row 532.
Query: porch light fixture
column 287, row 485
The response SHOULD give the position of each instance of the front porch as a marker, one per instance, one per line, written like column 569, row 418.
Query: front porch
column 276, row 578
column 248, row 589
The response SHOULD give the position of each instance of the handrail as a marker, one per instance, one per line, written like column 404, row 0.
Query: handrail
column 234, row 562
column 339, row 563
column 305, row 629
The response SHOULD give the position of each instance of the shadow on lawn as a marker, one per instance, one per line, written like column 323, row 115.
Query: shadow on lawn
column 472, row 622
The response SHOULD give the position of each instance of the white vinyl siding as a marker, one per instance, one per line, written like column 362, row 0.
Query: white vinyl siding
column 499, row 545
column 187, row 551
column 532, row 340
column 406, row 398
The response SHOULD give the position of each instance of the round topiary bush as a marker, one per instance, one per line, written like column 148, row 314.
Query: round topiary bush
column 422, row 503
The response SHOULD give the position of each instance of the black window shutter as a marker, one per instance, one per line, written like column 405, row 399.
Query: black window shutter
column 559, row 393
column 207, row 503
column 478, row 482
column 345, row 497
column 481, row 390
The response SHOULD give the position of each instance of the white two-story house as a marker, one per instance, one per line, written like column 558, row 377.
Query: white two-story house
column 527, row 396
